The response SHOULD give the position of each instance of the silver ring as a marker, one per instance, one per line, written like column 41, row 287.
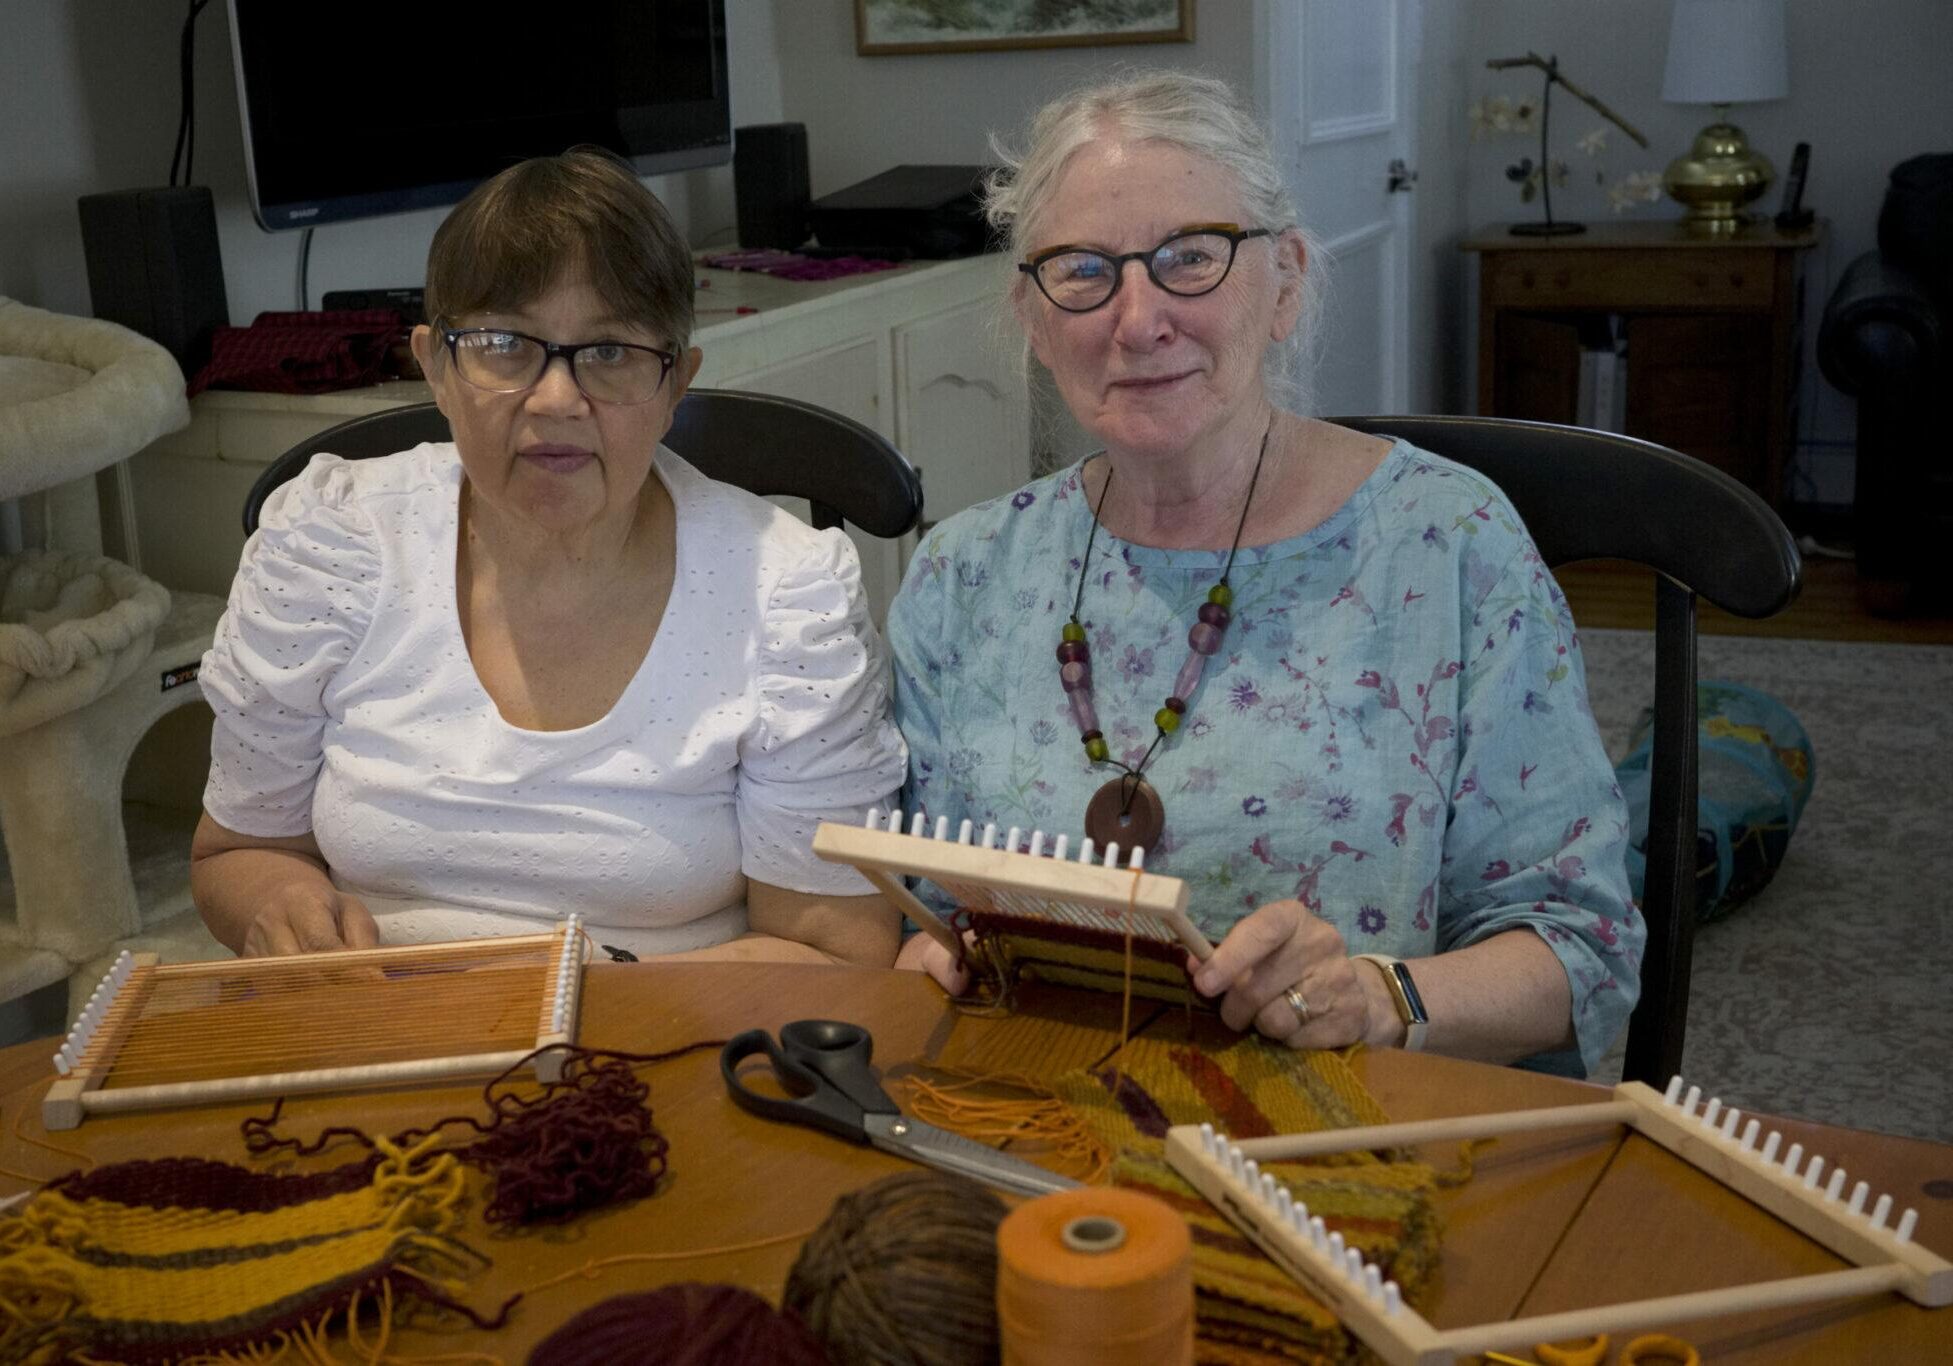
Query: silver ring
column 1299, row 1005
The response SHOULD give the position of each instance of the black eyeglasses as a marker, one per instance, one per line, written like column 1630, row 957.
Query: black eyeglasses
column 1190, row 263
column 505, row 362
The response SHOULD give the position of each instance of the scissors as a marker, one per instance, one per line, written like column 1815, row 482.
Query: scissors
column 825, row 1064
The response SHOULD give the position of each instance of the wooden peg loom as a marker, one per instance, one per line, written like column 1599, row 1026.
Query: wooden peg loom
column 159, row 1036
column 1036, row 909
column 1229, row 1175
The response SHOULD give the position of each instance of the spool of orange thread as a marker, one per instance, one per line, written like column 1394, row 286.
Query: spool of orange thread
column 1104, row 1276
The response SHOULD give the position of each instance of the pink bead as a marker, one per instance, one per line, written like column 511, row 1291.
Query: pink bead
column 1215, row 615
column 1083, row 713
column 1189, row 677
column 1075, row 675
column 1205, row 638
column 1073, row 652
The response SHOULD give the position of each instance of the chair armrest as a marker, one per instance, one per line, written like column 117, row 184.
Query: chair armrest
column 1881, row 328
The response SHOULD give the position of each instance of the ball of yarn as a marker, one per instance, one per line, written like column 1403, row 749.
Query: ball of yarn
column 904, row 1273
column 681, row 1325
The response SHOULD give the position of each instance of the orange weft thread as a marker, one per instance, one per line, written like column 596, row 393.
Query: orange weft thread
column 1038, row 1117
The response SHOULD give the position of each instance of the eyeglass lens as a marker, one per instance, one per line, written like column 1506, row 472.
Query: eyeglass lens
column 610, row 372
column 1193, row 263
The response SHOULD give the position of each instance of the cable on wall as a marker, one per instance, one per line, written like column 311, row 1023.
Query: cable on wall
column 187, row 118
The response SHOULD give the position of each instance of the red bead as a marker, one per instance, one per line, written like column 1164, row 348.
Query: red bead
column 1175, row 704
column 1215, row 615
column 1073, row 652
column 1204, row 638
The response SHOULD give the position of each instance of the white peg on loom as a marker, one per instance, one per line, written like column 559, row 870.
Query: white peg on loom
column 1710, row 1111
column 1318, row 1231
column 1138, row 859
column 1813, row 1173
column 1729, row 1122
column 1284, row 1204
column 1353, row 1264
column 1393, row 1298
column 1907, row 1222
column 964, row 832
column 990, row 834
column 1793, row 1158
column 1770, row 1147
column 61, row 1063
column 942, row 827
column 1858, row 1194
column 895, row 820
column 1298, row 1217
column 873, row 819
column 1836, row 1188
column 1251, row 1172
column 1336, row 1246
column 1750, row 1132
column 1268, row 1189
column 1085, row 850
column 1373, row 1280
column 1061, row 848
column 1010, row 840
column 1688, row 1104
column 1112, row 854
column 1037, row 844
column 1674, row 1091
column 918, row 825
column 1207, row 1138
column 1881, row 1211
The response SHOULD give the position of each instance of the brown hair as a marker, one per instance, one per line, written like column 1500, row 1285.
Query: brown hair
column 584, row 213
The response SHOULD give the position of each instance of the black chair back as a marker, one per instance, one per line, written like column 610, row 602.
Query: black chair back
column 762, row 443
column 1588, row 495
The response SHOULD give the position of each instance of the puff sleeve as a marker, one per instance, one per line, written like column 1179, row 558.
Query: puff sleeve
column 823, row 745
column 1538, row 832
column 299, row 608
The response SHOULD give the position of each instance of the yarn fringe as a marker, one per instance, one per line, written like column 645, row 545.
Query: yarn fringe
column 1038, row 1115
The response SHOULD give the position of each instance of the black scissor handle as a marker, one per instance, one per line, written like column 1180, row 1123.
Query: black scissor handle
column 815, row 1103
column 841, row 1054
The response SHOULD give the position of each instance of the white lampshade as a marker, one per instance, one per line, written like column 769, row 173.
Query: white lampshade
column 1727, row 52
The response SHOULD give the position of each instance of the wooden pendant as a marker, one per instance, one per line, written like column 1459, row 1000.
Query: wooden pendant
column 1136, row 823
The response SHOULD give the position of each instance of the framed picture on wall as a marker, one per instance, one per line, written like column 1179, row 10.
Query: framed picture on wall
column 888, row 27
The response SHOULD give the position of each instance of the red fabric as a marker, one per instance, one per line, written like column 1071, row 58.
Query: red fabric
column 303, row 353
column 791, row 265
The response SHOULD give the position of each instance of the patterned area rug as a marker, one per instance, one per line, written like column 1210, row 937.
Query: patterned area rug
column 1827, row 996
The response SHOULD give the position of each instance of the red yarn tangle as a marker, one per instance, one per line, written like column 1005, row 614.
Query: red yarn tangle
column 585, row 1142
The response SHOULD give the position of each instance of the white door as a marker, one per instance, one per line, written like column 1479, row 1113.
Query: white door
column 1337, row 77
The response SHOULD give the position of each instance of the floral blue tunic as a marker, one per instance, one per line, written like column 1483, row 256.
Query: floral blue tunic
column 1395, row 732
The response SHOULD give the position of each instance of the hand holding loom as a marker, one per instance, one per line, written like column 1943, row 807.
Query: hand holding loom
column 1284, row 945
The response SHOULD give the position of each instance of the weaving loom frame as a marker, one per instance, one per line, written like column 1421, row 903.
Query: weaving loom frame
column 1227, row 1175
column 88, row 1059
column 885, row 854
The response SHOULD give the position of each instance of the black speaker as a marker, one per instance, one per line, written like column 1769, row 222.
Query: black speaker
column 154, row 267
column 769, row 182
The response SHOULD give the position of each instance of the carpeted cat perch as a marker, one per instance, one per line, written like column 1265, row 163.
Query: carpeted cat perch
column 86, row 642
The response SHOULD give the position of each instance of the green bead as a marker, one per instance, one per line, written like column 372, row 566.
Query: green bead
column 1221, row 595
column 1167, row 719
column 1096, row 750
column 1073, row 631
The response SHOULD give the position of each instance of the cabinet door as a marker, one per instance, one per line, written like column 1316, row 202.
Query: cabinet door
column 1700, row 384
column 961, row 412
column 1538, row 368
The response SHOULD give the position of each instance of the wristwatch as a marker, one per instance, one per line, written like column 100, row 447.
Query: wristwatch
column 1403, row 994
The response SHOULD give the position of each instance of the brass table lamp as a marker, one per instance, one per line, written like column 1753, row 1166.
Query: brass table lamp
column 1723, row 52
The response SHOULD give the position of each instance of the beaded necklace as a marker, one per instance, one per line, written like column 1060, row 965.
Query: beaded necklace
column 1128, row 810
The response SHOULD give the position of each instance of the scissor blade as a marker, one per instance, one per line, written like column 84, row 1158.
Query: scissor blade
column 949, row 1152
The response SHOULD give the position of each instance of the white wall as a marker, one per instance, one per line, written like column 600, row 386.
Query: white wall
column 1868, row 88
column 89, row 97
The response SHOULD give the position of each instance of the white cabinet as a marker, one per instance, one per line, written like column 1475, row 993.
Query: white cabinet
column 909, row 352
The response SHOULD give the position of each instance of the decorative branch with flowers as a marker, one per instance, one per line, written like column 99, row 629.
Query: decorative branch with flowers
column 1499, row 114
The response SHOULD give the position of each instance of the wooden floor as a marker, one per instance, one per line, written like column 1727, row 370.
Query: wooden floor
column 1608, row 593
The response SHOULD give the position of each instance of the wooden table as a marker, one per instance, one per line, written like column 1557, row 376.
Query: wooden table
column 1549, row 1222
column 1712, row 329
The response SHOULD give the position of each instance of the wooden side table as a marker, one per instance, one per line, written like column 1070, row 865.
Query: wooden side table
column 1713, row 332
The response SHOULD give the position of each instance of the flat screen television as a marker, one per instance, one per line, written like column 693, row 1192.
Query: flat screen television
column 368, row 107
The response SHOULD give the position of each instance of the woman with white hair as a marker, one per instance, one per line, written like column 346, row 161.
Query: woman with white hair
column 1321, row 676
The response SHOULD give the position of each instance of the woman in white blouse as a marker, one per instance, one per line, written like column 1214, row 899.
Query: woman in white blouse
column 549, row 667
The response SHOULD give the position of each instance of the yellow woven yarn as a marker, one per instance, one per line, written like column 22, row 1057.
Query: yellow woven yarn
column 130, row 1279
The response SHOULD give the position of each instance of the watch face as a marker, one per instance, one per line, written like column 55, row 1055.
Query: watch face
column 1409, row 988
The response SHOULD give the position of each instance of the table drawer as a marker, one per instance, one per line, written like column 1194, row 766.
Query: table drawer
column 1615, row 280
